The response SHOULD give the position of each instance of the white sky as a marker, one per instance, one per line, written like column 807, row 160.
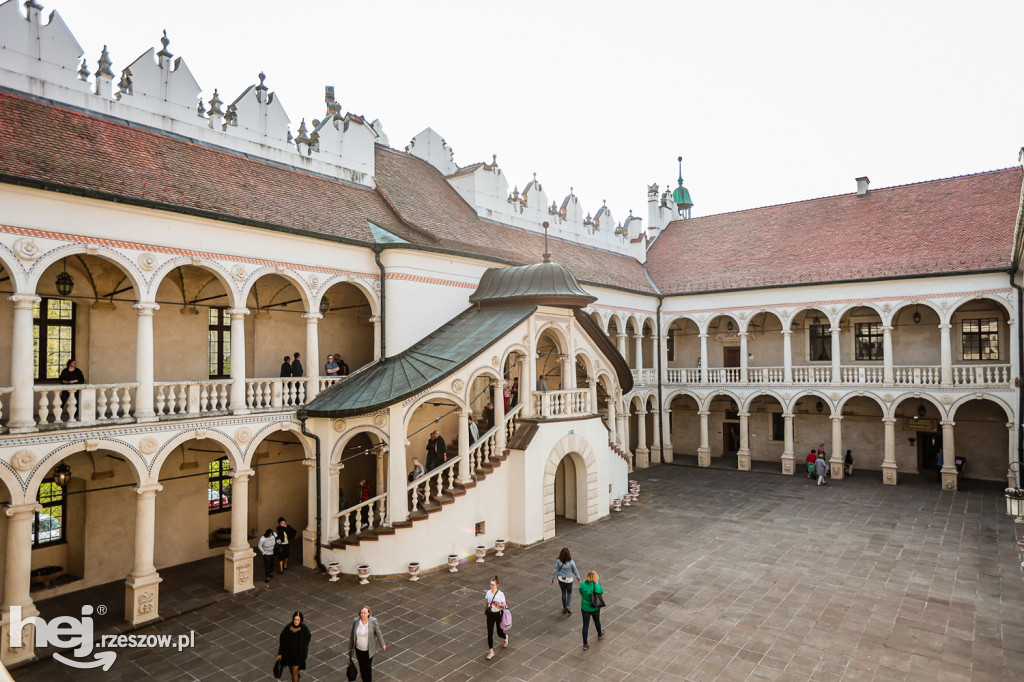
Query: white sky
column 766, row 102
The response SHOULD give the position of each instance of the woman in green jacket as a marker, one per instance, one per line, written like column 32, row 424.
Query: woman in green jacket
column 588, row 588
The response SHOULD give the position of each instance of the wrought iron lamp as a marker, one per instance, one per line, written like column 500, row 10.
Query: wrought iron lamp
column 65, row 282
column 325, row 305
column 62, row 474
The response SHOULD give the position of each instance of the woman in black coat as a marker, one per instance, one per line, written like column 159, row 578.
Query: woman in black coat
column 294, row 645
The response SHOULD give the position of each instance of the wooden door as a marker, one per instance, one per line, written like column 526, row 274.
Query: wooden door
column 731, row 356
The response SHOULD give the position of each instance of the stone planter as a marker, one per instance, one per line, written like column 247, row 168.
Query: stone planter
column 617, row 504
column 481, row 552
column 626, row 498
column 414, row 571
column 333, row 570
column 453, row 563
column 499, row 548
column 364, row 574
column 46, row 575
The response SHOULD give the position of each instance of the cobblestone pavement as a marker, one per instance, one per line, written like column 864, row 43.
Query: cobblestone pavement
column 712, row 575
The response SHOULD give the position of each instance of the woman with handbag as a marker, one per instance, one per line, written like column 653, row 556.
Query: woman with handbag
column 591, row 602
column 365, row 639
column 495, row 604
column 565, row 568
column 294, row 645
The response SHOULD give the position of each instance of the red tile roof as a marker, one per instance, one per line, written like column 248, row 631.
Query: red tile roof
column 955, row 225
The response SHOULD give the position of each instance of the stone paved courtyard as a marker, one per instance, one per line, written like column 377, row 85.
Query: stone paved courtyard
column 712, row 575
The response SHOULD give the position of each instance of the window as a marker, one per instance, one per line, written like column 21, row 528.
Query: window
column 219, row 487
column 819, row 343
column 670, row 345
column 48, row 523
column 778, row 426
column 867, row 339
column 981, row 339
column 220, row 343
column 53, row 337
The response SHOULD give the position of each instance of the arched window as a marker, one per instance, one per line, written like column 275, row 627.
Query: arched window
column 48, row 522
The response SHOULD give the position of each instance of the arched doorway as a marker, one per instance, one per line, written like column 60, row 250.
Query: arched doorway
column 863, row 434
column 583, row 461
column 358, row 471
column 982, row 433
column 347, row 328
column 565, row 490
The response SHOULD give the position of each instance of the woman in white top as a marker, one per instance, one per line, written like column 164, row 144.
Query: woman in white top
column 266, row 546
column 495, row 603
column 365, row 638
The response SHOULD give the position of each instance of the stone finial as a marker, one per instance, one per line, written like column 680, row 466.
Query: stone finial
column 83, row 72
column 333, row 105
column 104, row 65
column 124, row 86
column 33, row 5
column 231, row 118
column 200, row 109
column 494, row 158
column 215, row 103
column 165, row 41
column 303, row 136
column 261, row 89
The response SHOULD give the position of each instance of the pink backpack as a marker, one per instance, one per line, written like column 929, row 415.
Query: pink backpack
column 506, row 619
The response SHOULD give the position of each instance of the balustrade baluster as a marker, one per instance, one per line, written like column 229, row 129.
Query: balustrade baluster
column 101, row 404
column 114, row 403
column 160, row 400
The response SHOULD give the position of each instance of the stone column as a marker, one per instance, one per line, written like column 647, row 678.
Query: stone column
column 666, row 434
column 837, row 375
column 311, row 363
column 309, row 534
column 704, row 364
column 621, row 429
column 592, row 385
column 655, row 437
column 17, row 583
column 237, row 402
column 787, row 443
column 743, row 356
column 499, row 415
column 743, row 454
column 836, row 461
column 527, row 388
column 144, row 361
column 621, row 336
column 887, row 376
column 787, row 356
column 22, row 418
column 1011, row 476
column 465, row 466
column 663, row 351
column 948, row 472
column 398, row 482
column 238, row 557
column 638, row 348
column 142, row 587
column 375, row 321
column 704, row 451
column 889, row 457
column 946, row 354
column 379, row 480
column 642, row 453
column 568, row 376
column 612, row 425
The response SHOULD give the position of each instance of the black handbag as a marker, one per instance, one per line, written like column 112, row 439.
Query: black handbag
column 351, row 672
column 278, row 668
column 597, row 600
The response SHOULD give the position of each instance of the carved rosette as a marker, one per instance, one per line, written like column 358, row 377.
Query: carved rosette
column 200, row 434
column 946, row 400
column 147, row 261
column 380, row 420
column 148, row 445
column 495, row 361
column 238, row 273
column 27, row 249
column 243, row 435
column 23, row 461
column 146, row 600
column 339, row 425
column 458, row 385
column 314, row 282
column 834, row 397
column 888, row 397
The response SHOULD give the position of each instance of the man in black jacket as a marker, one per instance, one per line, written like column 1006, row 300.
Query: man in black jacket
column 286, row 367
column 297, row 366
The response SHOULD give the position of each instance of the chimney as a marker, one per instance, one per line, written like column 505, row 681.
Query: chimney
column 862, row 187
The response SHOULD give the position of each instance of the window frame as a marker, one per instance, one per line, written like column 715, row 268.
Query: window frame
column 62, row 503
column 979, row 334
column 777, row 434
column 219, row 332
column 224, row 474
column 857, row 336
column 41, row 325
column 826, row 341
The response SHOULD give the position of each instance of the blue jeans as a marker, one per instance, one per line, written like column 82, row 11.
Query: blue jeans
column 587, row 615
column 566, row 594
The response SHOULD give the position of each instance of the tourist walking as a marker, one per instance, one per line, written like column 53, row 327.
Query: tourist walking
column 507, row 394
column 588, row 588
column 565, row 569
column 294, row 645
column 365, row 640
column 821, row 469
column 811, row 459
column 515, row 391
column 285, row 535
column 495, row 603
column 848, row 462
column 474, row 431
column 297, row 366
column 267, row 547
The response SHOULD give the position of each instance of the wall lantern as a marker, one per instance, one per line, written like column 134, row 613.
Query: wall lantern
column 65, row 282
column 817, row 321
column 62, row 475
column 819, row 407
column 325, row 305
column 729, row 326
column 920, row 412
column 917, row 316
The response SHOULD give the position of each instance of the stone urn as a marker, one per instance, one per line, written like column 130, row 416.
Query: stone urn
column 617, row 504
column 453, row 563
column 499, row 548
column 633, row 483
column 414, row 571
column 333, row 570
column 364, row 573
column 626, row 498
column 481, row 552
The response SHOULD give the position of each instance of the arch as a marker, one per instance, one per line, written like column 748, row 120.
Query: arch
column 821, row 395
column 903, row 305
column 514, row 348
column 832, row 320
column 54, row 255
column 133, row 458
column 13, row 482
column 862, row 304
column 586, row 481
column 710, row 397
column 237, row 460
column 285, row 273
column 605, row 376
column 560, row 336
column 598, row 319
column 861, row 394
column 910, row 395
column 339, row 447
column 12, row 265
column 588, row 361
column 632, row 320
column 433, row 395
column 671, row 319
column 1001, row 302
column 982, row 396
column 672, row 395
column 293, row 427
column 759, row 393
column 481, row 371
column 215, row 268
column 745, row 322
column 617, row 319
column 370, row 294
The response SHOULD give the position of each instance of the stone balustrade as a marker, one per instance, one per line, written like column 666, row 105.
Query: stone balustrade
column 275, row 393
column 568, row 403
column 982, row 375
column 327, row 382
column 84, row 404
column 191, row 397
column 5, row 403
column 372, row 513
column 903, row 375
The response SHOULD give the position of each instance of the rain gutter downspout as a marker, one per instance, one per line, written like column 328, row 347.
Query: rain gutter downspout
column 316, row 440
column 661, row 411
column 383, row 304
column 1020, row 393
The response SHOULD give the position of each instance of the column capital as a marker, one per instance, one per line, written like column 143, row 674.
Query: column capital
column 465, row 412
column 887, row 328
column 703, row 413
column 743, row 335
column 703, row 335
column 146, row 308
column 836, row 417
column 743, row 415
column 1011, row 426
column 24, row 300
column 888, row 420
column 787, row 332
column 148, row 489
column 242, row 475
column 949, row 422
column 787, row 415
column 945, row 325
column 238, row 313
column 500, row 383
column 13, row 510
column 336, row 468
column 834, row 330
column 309, row 463
column 312, row 317
column 622, row 335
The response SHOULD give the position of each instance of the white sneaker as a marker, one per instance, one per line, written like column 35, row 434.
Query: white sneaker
column 506, row 641
column 490, row 654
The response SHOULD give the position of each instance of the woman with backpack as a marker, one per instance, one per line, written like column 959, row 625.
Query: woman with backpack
column 588, row 588
column 565, row 569
column 495, row 604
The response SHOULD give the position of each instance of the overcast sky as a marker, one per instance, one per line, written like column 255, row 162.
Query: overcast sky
column 767, row 102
